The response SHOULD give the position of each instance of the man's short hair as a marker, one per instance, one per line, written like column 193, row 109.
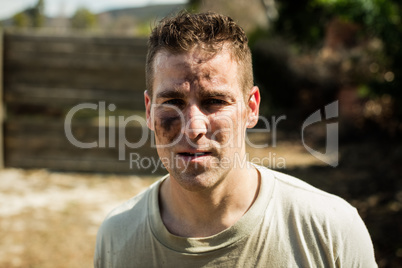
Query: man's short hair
column 211, row 31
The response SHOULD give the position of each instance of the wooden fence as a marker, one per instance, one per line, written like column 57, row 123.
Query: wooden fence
column 45, row 77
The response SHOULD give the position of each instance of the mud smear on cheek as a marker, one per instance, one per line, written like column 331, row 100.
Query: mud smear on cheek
column 168, row 127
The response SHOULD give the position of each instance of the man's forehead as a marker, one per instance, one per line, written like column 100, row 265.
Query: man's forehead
column 183, row 92
column 196, row 55
column 190, row 67
column 179, row 72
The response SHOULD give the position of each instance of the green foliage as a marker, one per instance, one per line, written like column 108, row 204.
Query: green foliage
column 304, row 23
column 21, row 20
column 31, row 17
column 144, row 29
column 38, row 17
column 83, row 19
column 376, row 16
column 300, row 22
column 194, row 5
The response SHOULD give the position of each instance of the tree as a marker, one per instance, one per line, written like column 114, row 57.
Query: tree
column 238, row 10
column 31, row 17
column 83, row 19
column 21, row 20
column 38, row 17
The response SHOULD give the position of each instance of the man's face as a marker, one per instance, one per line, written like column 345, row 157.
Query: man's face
column 199, row 114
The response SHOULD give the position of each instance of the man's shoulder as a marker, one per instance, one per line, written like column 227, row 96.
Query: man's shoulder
column 127, row 224
column 318, row 221
column 305, row 199
column 133, row 211
column 296, row 186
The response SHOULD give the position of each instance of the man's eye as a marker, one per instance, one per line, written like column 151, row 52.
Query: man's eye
column 175, row 102
column 214, row 102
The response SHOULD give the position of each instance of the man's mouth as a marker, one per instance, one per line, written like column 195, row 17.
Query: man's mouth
column 194, row 154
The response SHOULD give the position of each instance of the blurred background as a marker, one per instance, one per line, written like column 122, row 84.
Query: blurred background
column 307, row 54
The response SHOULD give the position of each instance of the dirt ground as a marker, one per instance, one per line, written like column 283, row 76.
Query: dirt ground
column 50, row 219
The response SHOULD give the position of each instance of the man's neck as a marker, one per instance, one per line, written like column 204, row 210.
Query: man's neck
column 201, row 214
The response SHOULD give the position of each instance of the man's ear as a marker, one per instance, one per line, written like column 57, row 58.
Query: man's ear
column 253, row 106
column 148, row 113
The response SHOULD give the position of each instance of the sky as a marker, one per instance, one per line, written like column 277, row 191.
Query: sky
column 67, row 7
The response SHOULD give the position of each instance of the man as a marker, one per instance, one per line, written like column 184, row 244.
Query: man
column 213, row 209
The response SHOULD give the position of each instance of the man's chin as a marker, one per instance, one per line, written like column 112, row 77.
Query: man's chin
column 197, row 179
column 195, row 184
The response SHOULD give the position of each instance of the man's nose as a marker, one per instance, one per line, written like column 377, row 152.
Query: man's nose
column 196, row 122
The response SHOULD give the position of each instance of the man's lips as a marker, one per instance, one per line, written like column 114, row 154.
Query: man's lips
column 194, row 154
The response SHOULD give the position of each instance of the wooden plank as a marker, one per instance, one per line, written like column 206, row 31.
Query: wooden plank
column 76, row 60
column 67, row 151
column 44, row 145
column 24, row 133
column 34, row 36
column 64, row 45
column 42, row 72
column 85, row 129
column 75, row 78
column 68, row 47
column 69, row 97
column 2, row 109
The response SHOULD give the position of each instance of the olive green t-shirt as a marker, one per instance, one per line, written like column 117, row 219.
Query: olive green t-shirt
column 290, row 224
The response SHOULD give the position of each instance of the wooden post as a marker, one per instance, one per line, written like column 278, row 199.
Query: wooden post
column 2, row 108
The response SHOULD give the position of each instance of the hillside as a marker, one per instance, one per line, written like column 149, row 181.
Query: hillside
column 139, row 14
column 144, row 13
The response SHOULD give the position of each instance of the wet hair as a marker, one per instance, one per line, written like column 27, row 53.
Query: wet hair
column 210, row 31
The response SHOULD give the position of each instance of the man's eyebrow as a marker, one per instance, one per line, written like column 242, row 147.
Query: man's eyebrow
column 212, row 94
column 170, row 94
column 215, row 93
column 178, row 94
